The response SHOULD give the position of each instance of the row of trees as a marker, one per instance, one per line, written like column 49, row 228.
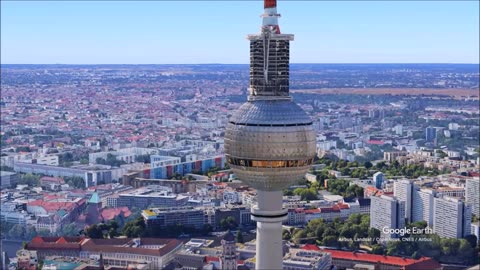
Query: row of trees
column 366, row 169
column 111, row 160
column 339, row 234
column 21, row 232
column 75, row 181
column 29, row 179
column 342, row 187
column 329, row 233
column 103, row 230
column 446, row 250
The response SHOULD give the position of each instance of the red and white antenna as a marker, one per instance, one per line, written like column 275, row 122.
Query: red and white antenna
column 270, row 17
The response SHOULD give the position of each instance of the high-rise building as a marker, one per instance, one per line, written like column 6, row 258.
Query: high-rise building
column 269, row 140
column 378, row 179
column 422, row 205
column 387, row 213
column 430, row 134
column 403, row 190
column 451, row 218
column 472, row 194
column 418, row 202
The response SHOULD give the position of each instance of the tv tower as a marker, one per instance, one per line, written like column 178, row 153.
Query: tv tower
column 269, row 140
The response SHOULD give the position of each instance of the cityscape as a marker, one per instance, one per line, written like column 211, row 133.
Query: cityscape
column 267, row 165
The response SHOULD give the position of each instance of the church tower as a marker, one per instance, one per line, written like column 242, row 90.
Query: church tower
column 94, row 206
column 228, row 260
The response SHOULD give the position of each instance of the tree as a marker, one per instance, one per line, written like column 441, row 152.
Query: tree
column 286, row 235
column 94, row 231
column 206, row 229
column 112, row 233
column 134, row 228
column 75, row 181
column 17, row 232
column 31, row 232
column 299, row 234
column 416, row 255
column 373, row 233
column 43, row 232
column 228, row 223
column 472, row 239
column 30, row 180
column 368, row 164
column 307, row 194
column 378, row 249
column 83, row 161
column 239, row 237
column 68, row 230
column 330, row 241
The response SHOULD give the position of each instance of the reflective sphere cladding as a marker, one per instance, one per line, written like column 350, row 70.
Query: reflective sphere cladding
column 270, row 144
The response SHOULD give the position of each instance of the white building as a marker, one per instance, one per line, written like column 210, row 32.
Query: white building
column 162, row 161
column 51, row 160
column 453, row 126
column 154, row 252
column 299, row 259
column 476, row 230
column 387, row 213
column 422, row 206
column 326, row 145
column 232, row 196
column 403, row 190
column 398, row 129
column 472, row 194
column 451, row 217
column 125, row 154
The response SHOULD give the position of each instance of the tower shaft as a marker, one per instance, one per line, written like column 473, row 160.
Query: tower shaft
column 269, row 216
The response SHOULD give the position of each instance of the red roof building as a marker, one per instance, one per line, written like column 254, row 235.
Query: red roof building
column 347, row 259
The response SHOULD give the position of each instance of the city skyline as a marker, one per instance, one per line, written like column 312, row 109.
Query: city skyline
column 194, row 32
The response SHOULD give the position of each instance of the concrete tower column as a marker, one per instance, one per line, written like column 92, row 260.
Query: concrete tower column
column 269, row 216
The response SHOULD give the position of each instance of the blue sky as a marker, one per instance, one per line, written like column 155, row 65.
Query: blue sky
column 161, row 32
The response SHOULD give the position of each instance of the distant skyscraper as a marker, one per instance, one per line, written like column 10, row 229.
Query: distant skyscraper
column 378, row 179
column 472, row 195
column 269, row 140
column 451, row 218
column 387, row 213
column 430, row 134
column 403, row 190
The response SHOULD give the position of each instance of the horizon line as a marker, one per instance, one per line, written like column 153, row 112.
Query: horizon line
column 359, row 63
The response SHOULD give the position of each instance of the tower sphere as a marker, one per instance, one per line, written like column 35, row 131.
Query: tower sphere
column 270, row 143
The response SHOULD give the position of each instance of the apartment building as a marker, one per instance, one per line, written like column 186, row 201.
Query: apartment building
column 451, row 217
column 472, row 194
column 387, row 213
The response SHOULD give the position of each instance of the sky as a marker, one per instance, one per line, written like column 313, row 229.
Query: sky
column 195, row 32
